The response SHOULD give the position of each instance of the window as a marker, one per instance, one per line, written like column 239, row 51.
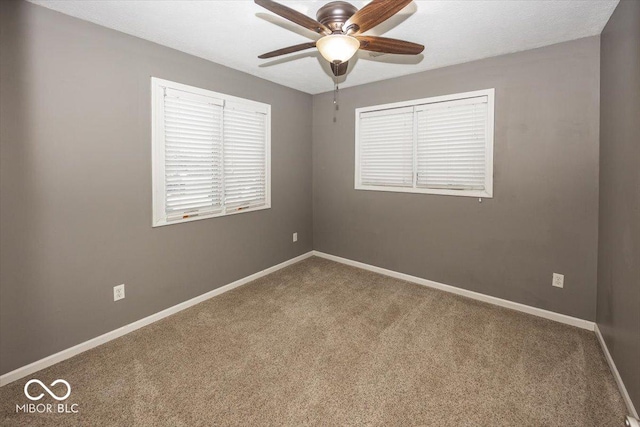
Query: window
column 211, row 154
column 441, row 145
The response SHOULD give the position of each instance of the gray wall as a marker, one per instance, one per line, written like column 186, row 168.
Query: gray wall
column 75, row 207
column 544, row 214
column 75, row 211
column 619, row 239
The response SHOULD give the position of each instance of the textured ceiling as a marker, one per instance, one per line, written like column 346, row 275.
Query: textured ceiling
column 234, row 33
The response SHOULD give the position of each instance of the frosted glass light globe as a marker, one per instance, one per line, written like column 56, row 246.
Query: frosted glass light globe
column 338, row 47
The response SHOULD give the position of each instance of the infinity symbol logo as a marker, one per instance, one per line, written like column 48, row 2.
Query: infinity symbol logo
column 52, row 394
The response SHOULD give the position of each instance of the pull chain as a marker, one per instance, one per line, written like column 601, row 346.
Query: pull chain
column 335, row 97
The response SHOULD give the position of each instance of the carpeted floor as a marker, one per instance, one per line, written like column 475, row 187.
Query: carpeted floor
column 320, row 343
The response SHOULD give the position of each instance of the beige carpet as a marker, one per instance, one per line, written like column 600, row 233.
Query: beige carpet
column 320, row 343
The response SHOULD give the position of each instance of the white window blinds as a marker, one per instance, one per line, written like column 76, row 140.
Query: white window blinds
column 386, row 144
column 211, row 154
column 245, row 166
column 440, row 145
column 193, row 154
column 451, row 142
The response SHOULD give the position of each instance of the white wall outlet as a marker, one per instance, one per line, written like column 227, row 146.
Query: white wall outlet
column 118, row 292
column 295, row 237
column 558, row 280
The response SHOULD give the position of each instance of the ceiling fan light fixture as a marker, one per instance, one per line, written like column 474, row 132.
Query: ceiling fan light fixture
column 338, row 48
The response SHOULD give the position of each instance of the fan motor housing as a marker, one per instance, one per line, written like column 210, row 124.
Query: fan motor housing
column 335, row 14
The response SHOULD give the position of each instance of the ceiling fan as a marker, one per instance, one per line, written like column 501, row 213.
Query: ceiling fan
column 341, row 25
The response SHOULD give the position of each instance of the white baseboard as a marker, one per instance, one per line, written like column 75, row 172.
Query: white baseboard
column 616, row 374
column 87, row 345
column 562, row 318
column 94, row 342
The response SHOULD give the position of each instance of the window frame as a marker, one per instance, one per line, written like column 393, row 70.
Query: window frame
column 159, row 217
column 488, row 190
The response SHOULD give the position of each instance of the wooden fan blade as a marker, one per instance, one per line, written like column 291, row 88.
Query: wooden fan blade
column 339, row 69
column 373, row 14
column 385, row 45
column 294, row 16
column 286, row 50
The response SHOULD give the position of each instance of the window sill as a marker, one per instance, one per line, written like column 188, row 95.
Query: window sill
column 436, row 191
column 162, row 221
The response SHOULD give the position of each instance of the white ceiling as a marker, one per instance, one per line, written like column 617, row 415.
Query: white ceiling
column 234, row 33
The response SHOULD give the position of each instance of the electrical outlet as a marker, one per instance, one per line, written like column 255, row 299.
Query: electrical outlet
column 295, row 237
column 558, row 280
column 118, row 292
